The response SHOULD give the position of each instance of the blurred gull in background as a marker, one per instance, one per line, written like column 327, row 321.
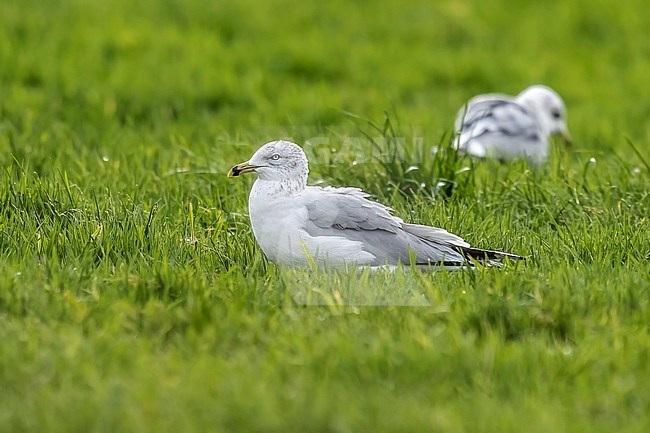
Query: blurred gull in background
column 504, row 127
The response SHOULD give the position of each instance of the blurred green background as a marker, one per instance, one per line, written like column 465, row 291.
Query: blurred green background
column 227, row 69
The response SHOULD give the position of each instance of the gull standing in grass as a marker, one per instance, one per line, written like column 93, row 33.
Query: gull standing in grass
column 505, row 127
column 296, row 224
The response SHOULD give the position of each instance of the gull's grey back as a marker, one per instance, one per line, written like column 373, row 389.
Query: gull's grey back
column 346, row 213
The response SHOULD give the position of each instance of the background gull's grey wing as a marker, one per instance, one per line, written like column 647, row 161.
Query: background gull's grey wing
column 347, row 213
column 500, row 128
column 462, row 113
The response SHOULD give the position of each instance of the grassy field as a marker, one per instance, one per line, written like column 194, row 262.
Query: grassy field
column 133, row 296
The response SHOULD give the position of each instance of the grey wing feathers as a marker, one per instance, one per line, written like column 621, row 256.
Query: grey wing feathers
column 435, row 234
column 349, row 208
column 470, row 107
column 347, row 212
column 504, row 117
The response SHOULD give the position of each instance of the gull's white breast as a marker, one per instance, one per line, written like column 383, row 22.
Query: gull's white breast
column 279, row 225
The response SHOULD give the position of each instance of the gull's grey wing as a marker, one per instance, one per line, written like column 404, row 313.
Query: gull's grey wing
column 465, row 109
column 349, row 208
column 507, row 118
column 501, row 128
column 347, row 213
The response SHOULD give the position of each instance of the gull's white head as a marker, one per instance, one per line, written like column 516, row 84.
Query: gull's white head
column 550, row 108
column 276, row 161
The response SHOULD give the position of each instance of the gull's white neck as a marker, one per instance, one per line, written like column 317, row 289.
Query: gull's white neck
column 273, row 189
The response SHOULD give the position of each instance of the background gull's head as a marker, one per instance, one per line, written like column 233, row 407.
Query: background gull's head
column 550, row 108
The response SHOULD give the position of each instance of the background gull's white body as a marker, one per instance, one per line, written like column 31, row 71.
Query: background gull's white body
column 505, row 127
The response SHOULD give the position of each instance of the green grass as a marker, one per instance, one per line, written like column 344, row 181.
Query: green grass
column 133, row 296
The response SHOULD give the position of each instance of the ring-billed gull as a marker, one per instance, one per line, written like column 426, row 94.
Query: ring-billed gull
column 296, row 224
column 505, row 127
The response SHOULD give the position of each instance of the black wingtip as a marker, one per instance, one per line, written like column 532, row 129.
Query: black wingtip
column 479, row 254
column 444, row 264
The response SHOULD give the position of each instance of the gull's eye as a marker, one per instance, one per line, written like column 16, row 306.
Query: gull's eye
column 274, row 157
column 556, row 114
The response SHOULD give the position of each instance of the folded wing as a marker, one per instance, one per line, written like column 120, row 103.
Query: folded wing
column 347, row 213
column 503, row 128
